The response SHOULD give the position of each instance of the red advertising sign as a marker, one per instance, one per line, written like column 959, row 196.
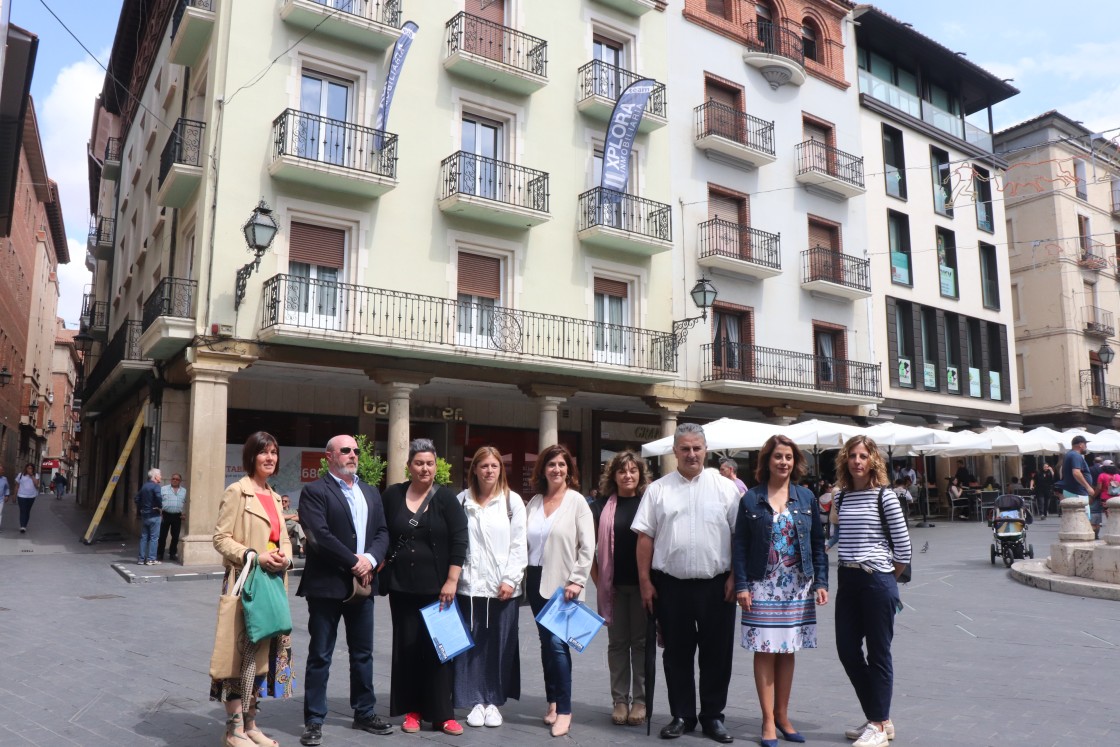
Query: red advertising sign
column 49, row 464
column 309, row 465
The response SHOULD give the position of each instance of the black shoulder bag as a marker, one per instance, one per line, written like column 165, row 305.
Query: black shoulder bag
column 904, row 577
column 404, row 539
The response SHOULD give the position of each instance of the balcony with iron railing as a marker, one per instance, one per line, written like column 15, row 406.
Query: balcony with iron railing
column 1092, row 255
column 733, row 137
column 192, row 24
column 168, row 324
column 102, row 235
column 918, row 108
column 776, row 52
column 630, row 7
column 493, row 191
column 368, row 24
column 120, row 366
column 600, row 85
column 740, row 250
column 111, row 166
column 829, row 272
column 180, row 163
column 1098, row 322
column 739, row 368
column 828, row 170
column 494, row 54
column 1097, row 393
column 94, row 318
column 616, row 220
column 309, row 312
column 333, row 155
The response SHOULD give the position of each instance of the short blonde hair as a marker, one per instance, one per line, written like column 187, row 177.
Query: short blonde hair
column 878, row 468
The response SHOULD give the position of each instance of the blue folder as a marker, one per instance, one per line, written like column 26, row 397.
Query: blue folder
column 449, row 632
column 572, row 622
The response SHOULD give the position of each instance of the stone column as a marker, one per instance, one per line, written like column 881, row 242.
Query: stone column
column 669, row 410
column 549, row 399
column 209, row 375
column 1072, row 554
column 400, row 385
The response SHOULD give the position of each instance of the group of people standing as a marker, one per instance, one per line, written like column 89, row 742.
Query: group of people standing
column 685, row 549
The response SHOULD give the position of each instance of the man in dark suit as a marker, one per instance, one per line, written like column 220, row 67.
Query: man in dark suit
column 344, row 525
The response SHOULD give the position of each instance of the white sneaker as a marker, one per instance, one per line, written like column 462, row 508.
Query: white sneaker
column 857, row 732
column 493, row 717
column 871, row 737
column 477, row 716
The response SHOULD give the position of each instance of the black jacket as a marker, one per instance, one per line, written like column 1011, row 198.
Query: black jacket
column 450, row 538
column 331, row 538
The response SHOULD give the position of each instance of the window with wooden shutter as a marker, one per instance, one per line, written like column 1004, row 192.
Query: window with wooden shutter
column 480, row 276
column 491, row 10
column 316, row 245
column 722, row 111
column 609, row 287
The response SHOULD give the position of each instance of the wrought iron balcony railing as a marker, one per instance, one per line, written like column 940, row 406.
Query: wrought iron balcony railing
column 125, row 346
column 598, row 78
column 506, row 46
column 771, row 39
column 102, row 231
column 714, row 118
column 181, row 8
column 813, row 155
column 729, row 361
column 824, row 263
column 1099, row 321
column 737, row 241
column 395, row 315
column 184, row 147
column 387, row 12
column 95, row 314
column 1097, row 393
column 171, row 297
column 335, row 143
column 606, row 207
column 113, row 149
column 479, row 176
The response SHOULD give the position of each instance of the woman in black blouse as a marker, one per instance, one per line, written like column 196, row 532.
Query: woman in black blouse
column 423, row 567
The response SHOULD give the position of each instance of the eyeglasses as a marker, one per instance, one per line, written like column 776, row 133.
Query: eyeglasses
column 347, row 449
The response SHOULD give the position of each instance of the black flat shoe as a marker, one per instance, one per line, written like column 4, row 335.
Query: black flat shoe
column 312, row 735
column 715, row 730
column 676, row 728
column 373, row 724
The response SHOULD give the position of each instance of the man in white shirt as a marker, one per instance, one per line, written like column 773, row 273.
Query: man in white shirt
column 684, row 527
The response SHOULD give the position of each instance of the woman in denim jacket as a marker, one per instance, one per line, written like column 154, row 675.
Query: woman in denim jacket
column 781, row 571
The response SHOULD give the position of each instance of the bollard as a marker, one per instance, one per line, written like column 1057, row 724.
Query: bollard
column 1075, row 525
column 1110, row 530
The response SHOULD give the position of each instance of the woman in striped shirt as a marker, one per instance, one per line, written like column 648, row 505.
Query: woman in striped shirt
column 874, row 549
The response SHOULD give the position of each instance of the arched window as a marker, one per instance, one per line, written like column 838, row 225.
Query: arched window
column 809, row 40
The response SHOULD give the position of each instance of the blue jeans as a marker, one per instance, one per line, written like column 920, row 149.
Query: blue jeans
column 149, row 536
column 25, row 505
column 322, row 631
column 556, row 657
column 865, row 610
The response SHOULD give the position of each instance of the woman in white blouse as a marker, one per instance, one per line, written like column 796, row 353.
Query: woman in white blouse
column 490, row 673
column 27, row 489
column 561, row 543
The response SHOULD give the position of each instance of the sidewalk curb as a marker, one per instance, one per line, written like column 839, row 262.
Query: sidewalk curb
column 124, row 570
column 1037, row 573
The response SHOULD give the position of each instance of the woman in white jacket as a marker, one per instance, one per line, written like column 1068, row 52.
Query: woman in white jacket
column 490, row 672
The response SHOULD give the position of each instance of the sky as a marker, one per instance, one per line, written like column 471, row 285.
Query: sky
column 1059, row 59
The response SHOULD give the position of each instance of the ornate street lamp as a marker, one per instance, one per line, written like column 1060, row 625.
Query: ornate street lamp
column 33, row 407
column 259, row 232
column 5, row 376
column 83, row 341
column 704, row 296
column 1107, row 355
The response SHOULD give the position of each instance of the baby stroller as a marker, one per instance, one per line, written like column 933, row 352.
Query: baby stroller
column 1009, row 519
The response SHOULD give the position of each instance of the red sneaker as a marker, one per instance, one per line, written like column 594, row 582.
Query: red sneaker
column 411, row 723
column 452, row 727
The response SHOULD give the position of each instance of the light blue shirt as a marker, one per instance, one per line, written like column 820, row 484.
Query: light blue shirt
column 5, row 490
column 173, row 501
column 359, row 512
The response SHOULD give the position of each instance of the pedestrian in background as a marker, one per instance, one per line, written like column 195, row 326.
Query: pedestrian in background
column 685, row 524
column 781, row 572
column 249, row 522
column 174, row 498
column 615, row 572
column 429, row 540
column 871, row 556
column 1108, row 486
column 729, row 468
column 27, row 490
column 58, row 482
column 149, row 504
column 5, row 492
column 561, row 545
column 489, row 586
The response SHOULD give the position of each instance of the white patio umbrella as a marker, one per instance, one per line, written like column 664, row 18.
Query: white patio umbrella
column 909, row 439
column 723, row 434
column 1051, row 440
column 963, row 442
column 1106, row 440
column 820, row 434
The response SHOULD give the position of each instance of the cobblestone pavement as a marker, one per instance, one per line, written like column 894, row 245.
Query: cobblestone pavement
column 89, row 659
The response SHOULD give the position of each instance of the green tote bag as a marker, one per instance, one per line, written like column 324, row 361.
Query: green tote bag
column 265, row 602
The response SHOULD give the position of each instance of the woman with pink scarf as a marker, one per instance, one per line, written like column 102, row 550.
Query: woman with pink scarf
column 615, row 573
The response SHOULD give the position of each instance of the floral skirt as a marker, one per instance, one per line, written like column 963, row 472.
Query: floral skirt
column 277, row 682
column 783, row 615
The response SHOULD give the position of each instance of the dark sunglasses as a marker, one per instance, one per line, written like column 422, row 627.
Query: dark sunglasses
column 347, row 449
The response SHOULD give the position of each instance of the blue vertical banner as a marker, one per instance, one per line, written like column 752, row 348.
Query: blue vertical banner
column 400, row 50
column 623, row 126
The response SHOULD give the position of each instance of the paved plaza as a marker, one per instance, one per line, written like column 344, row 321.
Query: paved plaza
column 89, row 659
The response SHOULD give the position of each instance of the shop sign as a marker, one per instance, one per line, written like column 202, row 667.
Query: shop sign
column 952, row 379
column 49, row 464
column 631, row 432
column 973, row 382
column 416, row 411
column 298, row 465
column 930, row 376
column 994, row 385
column 905, row 375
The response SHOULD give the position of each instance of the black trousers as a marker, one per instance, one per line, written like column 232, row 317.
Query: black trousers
column 173, row 523
column 420, row 683
column 693, row 616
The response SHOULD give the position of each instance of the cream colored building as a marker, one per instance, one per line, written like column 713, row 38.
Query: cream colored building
column 1062, row 191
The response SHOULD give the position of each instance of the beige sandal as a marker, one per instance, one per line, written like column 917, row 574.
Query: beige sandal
column 563, row 725
column 258, row 737
column 231, row 737
column 550, row 717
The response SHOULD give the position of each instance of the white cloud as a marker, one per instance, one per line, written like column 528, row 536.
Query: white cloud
column 65, row 118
